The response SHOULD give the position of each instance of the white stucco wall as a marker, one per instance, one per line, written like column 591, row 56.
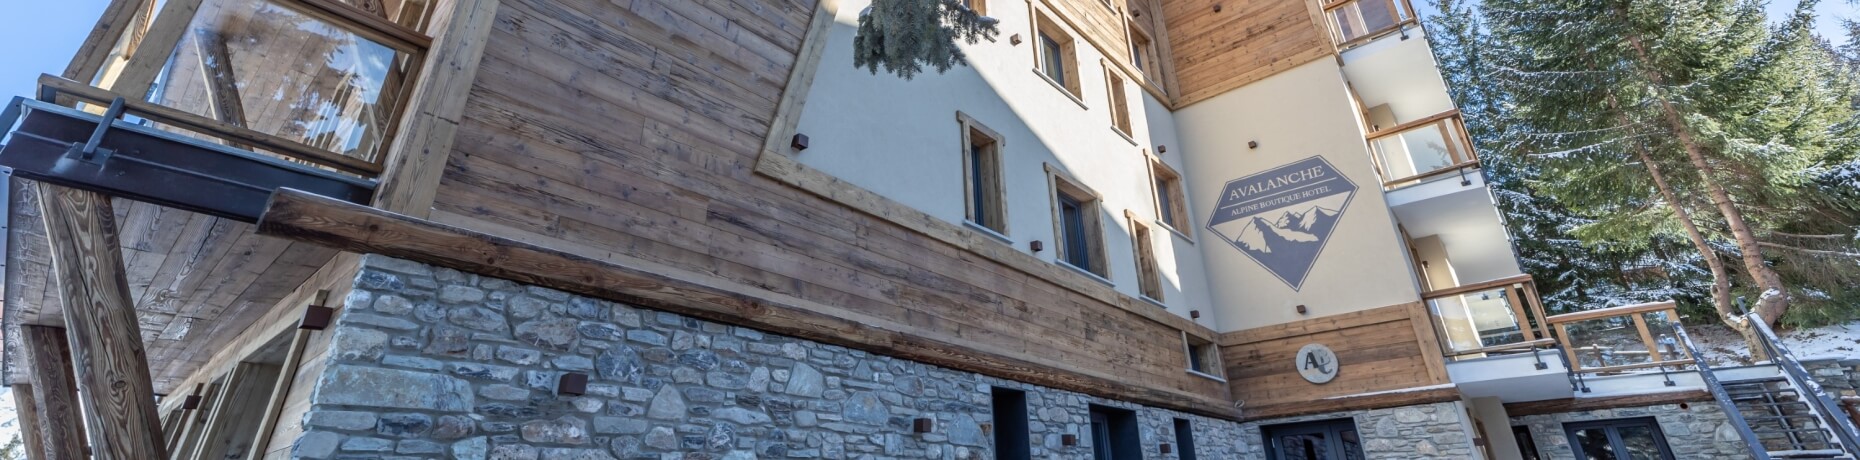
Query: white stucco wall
column 1296, row 114
column 901, row 139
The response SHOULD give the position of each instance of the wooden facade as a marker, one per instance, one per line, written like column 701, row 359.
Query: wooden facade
column 1382, row 349
column 1220, row 45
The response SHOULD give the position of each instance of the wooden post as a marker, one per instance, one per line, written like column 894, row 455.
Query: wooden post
column 189, row 436
column 230, row 426
column 29, row 430
column 48, row 358
column 112, row 369
column 274, row 406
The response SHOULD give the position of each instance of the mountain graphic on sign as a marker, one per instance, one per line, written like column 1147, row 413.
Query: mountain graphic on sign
column 1283, row 217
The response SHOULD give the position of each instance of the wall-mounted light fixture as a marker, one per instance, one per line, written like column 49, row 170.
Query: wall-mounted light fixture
column 572, row 384
column 1301, row 309
column 1165, row 448
column 1194, row 314
column 317, row 316
column 1217, row 7
column 1036, row 245
column 1069, row 439
column 799, row 142
column 1252, row 144
column 1014, row 40
column 1162, row 149
column 922, row 425
column 191, row 402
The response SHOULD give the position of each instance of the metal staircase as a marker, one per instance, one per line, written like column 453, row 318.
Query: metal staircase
column 1784, row 417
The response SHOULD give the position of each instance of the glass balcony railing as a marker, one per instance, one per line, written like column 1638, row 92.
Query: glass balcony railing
column 1620, row 339
column 318, row 82
column 1353, row 22
column 1493, row 317
column 1422, row 150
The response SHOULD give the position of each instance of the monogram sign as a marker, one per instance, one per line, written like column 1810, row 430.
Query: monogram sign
column 1317, row 364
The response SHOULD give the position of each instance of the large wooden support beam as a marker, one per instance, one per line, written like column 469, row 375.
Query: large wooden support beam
column 424, row 141
column 100, row 319
column 48, row 363
column 304, row 217
column 232, row 425
column 32, row 435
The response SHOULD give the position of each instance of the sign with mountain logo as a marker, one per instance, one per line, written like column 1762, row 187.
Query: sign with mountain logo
column 1283, row 217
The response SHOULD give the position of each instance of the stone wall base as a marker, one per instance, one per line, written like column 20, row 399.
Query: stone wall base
column 1700, row 430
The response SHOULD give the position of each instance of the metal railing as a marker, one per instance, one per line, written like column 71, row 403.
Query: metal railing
column 1731, row 411
column 1354, row 22
column 1819, row 402
column 1492, row 317
column 1620, row 339
column 1422, row 150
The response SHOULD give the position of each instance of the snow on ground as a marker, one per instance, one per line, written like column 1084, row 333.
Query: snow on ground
column 1722, row 346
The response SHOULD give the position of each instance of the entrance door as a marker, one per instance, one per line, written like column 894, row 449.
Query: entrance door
column 1624, row 439
column 1323, row 440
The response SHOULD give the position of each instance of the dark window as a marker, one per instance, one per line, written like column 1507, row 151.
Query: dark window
column 1011, row 438
column 1171, row 207
column 1054, row 54
column 1634, row 438
column 1184, row 439
column 1202, row 357
column 1321, row 440
column 1114, row 434
column 1526, row 445
column 1072, row 227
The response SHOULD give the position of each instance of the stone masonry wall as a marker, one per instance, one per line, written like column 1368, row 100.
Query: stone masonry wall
column 1427, row 431
column 1699, row 431
column 434, row 363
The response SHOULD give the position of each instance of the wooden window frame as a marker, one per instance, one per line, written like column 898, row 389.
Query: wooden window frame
column 1144, row 57
column 1177, row 197
column 1210, row 354
column 1117, row 98
column 1045, row 26
column 1143, row 248
column 980, row 6
column 1091, row 208
column 995, row 187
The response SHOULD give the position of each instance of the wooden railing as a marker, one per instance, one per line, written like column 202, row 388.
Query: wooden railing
column 1458, row 314
column 1416, row 151
column 1618, row 339
column 1354, row 22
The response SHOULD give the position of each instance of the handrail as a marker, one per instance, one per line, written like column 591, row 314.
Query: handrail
column 1809, row 389
column 1725, row 403
column 1524, row 307
column 1623, row 310
column 51, row 86
column 1424, row 121
column 1473, row 163
column 1479, row 286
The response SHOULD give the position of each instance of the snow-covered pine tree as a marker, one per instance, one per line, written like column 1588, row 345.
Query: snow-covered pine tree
column 1686, row 120
column 903, row 36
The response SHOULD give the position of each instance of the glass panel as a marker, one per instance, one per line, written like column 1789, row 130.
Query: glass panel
column 1592, row 444
column 1352, row 445
column 1664, row 338
column 1422, row 149
column 1055, row 62
column 1477, row 320
column 1368, row 17
column 1607, row 342
column 1639, row 443
column 278, row 71
column 1308, row 446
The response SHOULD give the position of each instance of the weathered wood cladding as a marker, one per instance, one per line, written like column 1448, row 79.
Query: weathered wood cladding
column 1245, row 41
column 1380, row 349
column 629, row 133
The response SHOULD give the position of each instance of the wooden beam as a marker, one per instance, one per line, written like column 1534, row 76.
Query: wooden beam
column 30, row 432
column 1372, row 401
column 230, row 427
column 1556, row 406
column 103, row 37
column 48, row 363
column 112, row 368
column 157, row 46
column 314, row 219
column 281, row 389
column 422, row 144
column 188, row 439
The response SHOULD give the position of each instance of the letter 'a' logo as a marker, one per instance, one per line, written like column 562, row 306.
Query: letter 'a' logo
column 1282, row 218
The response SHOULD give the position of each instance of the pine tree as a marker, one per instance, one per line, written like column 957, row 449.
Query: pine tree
column 1686, row 121
column 905, row 35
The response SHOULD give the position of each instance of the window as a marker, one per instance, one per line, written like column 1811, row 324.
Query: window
column 1327, row 439
column 1184, row 439
column 1076, row 225
column 1114, row 434
column 1143, row 53
column 1120, row 108
column 1012, row 441
column 1055, row 55
column 980, row 6
column 1203, row 356
column 1527, row 447
column 982, row 178
column 1635, row 438
column 1171, row 203
column 1149, row 277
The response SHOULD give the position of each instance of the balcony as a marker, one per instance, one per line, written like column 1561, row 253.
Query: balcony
column 1429, row 149
column 1354, row 22
column 1501, row 316
column 1621, row 339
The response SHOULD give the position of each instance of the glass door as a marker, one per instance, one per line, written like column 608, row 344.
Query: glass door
column 1625, row 439
column 1323, row 440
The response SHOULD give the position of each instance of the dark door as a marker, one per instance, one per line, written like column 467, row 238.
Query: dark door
column 1624, row 439
column 1323, row 440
